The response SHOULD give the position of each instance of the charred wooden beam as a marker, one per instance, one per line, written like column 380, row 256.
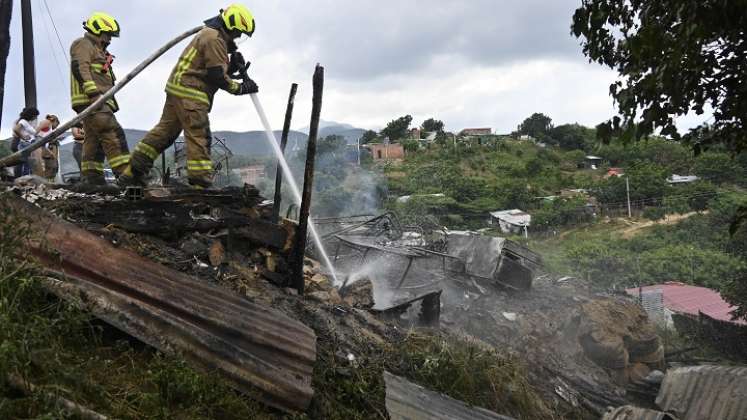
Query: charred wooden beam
column 258, row 350
column 283, row 144
column 167, row 213
column 298, row 252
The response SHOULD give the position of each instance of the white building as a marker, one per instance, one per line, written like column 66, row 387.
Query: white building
column 512, row 221
column 681, row 179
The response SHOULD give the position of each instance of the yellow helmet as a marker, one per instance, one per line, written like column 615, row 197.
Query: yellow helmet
column 102, row 23
column 236, row 17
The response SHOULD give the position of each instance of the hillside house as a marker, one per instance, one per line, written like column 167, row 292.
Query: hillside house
column 511, row 221
column 386, row 152
column 467, row 132
column 681, row 179
column 696, row 311
column 618, row 172
column 592, row 162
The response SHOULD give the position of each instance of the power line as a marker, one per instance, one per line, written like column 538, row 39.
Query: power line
column 59, row 40
column 54, row 54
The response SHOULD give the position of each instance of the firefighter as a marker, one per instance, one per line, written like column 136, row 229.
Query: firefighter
column 91, row 76
column 202, row 69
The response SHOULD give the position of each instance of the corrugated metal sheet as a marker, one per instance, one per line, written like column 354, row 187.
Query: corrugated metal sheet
column 690, row 300
column 628, row 412
column 407, row 401
column 705, row 393
column 260, row 351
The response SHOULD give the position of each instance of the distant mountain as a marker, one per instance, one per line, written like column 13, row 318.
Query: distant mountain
column 329, row 128
column 325, row 124
column 351, row 134
column 252, row 143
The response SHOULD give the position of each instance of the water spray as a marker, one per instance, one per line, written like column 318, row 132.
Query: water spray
column 270, row 136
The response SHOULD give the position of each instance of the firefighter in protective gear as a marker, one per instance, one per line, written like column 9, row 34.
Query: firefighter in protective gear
column 202, row 69
column 91, row 75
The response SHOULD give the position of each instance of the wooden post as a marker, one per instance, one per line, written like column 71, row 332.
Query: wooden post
column 6, row 12
column 29, row 68
column 283, row 143
column 308, row 182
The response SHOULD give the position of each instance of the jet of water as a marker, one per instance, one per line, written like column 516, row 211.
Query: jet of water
column 291, row 181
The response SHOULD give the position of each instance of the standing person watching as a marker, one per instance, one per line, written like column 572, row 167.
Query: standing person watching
column 79, row 136
column 91, row 76
column 24, row 133
column 50, row 153
column 202, row 69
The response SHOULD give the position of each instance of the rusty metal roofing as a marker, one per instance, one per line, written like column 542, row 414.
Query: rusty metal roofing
column 258, row 350
column 705, row 393
column 407, row 401
column 628, row 412
column 691, row 300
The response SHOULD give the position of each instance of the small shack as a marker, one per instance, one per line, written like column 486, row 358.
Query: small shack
column 385, row 152
column 467, row 132
column 681, row 179
column 697, row 311
column 511, row 221
column 592, row 162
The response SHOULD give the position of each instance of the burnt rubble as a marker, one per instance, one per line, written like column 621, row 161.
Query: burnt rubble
column 394, row 278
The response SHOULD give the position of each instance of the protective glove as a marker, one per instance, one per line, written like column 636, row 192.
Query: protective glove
column 248, row 87
column 236, row 65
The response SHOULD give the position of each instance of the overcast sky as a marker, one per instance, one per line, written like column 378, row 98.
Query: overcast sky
column 477, row 63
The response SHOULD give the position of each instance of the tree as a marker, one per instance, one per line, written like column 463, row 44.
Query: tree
column 410, row 146
column 718, row 168
column 673, row 57
column 433, row 126
column 333, row 144
column 368, row 137
column 573, row 137
column 397, row 129
column 536, row 126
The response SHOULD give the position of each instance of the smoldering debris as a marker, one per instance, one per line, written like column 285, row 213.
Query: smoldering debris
column 497, row 291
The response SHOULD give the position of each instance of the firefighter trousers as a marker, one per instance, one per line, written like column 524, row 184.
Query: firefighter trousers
column 105, row 138
column 179, row 114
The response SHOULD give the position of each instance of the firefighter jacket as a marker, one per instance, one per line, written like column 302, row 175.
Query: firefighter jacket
column 202, row 69
column 91, row 73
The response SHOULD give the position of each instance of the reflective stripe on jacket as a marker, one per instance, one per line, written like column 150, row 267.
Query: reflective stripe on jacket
column 89, row 75
column 208, row 49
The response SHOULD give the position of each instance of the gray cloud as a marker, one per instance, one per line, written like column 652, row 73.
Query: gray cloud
column 478, row 62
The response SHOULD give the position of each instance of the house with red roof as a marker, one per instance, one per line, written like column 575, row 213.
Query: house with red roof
column 697, row 312
column 692, row 301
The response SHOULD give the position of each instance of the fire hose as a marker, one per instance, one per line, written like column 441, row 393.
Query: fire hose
column 21, row 155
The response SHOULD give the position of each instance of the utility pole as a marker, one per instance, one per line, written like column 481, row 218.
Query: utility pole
column 627, row 190
column 29, row 68
column 6, row 12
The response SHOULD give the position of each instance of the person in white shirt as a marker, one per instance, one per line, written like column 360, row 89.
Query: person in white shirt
column 24, row 133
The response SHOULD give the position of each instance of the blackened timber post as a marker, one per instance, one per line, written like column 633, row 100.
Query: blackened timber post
column 6, row 12
column 308, row 182
column 29, row 68
column 283, row 143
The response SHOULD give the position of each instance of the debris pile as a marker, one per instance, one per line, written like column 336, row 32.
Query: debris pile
column 619, row 336
column 159, row 256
